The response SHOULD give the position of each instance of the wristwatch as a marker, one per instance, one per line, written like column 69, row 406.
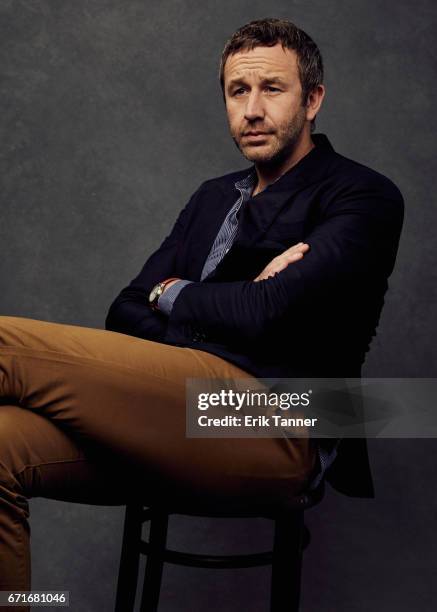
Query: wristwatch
column 157, row 292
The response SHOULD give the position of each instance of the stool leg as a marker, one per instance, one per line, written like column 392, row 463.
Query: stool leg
column 287, row 563
column 129, row 559
column 155, row 562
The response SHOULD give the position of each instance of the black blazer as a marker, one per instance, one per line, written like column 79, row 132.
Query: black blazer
column 317, row 317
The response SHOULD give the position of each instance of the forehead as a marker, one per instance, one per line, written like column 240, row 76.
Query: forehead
column 262, row 62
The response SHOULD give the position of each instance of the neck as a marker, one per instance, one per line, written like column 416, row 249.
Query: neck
column 269, row 173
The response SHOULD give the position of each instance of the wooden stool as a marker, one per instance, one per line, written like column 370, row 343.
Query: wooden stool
column 290, row 538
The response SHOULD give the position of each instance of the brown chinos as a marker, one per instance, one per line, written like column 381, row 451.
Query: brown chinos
column 98, row 417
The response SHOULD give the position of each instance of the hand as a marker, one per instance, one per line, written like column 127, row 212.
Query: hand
column 280, row 262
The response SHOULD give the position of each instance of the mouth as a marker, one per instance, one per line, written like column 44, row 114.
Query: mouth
column 255, row 136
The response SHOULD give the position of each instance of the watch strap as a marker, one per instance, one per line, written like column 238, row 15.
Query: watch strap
column 160, row 289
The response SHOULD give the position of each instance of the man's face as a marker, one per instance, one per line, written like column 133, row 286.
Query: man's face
column 263, row 95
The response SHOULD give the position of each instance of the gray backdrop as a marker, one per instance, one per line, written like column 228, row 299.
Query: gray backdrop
column 111, row 116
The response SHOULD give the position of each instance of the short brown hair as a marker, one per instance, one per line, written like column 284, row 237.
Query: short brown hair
column 269, row 32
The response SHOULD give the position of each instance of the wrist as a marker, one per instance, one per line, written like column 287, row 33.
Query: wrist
column 158, row 290
column 169, row 284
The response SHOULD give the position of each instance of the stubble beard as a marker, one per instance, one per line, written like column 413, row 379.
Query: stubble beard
column 284, row 142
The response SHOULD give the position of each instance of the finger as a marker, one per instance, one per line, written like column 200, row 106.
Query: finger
column 288, row 258
column 282, row 263
column 298, row 248
column 264, row 276
column 301, row 247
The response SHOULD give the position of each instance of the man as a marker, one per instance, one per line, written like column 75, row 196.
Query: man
column 340, row 221
column 277, row 270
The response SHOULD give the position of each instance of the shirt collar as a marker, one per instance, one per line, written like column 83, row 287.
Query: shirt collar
column 248, row 182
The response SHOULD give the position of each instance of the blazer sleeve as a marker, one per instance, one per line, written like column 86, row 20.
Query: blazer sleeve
column 130, row 312
column 357, row 237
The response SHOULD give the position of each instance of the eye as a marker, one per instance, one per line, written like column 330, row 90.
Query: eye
column 271, row 88
column 238, row 91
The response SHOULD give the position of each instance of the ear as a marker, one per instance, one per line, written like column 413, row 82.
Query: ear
column 314, row 102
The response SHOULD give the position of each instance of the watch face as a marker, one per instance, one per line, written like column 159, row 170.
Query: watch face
column 154, row 293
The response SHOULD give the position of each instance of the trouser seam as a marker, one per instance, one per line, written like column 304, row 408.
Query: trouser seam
column 43, row 463
column 21, row 547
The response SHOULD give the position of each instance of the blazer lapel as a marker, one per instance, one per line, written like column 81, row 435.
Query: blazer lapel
column 260, row 211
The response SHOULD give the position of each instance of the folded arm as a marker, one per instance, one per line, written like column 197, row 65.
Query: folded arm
column 130, row 313
column 357, row 240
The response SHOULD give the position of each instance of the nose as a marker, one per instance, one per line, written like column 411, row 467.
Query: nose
column 254, row 108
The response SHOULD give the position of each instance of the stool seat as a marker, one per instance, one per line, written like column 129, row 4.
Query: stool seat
column 290, row 538
column 240, row 508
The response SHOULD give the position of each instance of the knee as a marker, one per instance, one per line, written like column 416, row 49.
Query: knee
column 15, row 436
column 12, row 496
column 10, row 330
